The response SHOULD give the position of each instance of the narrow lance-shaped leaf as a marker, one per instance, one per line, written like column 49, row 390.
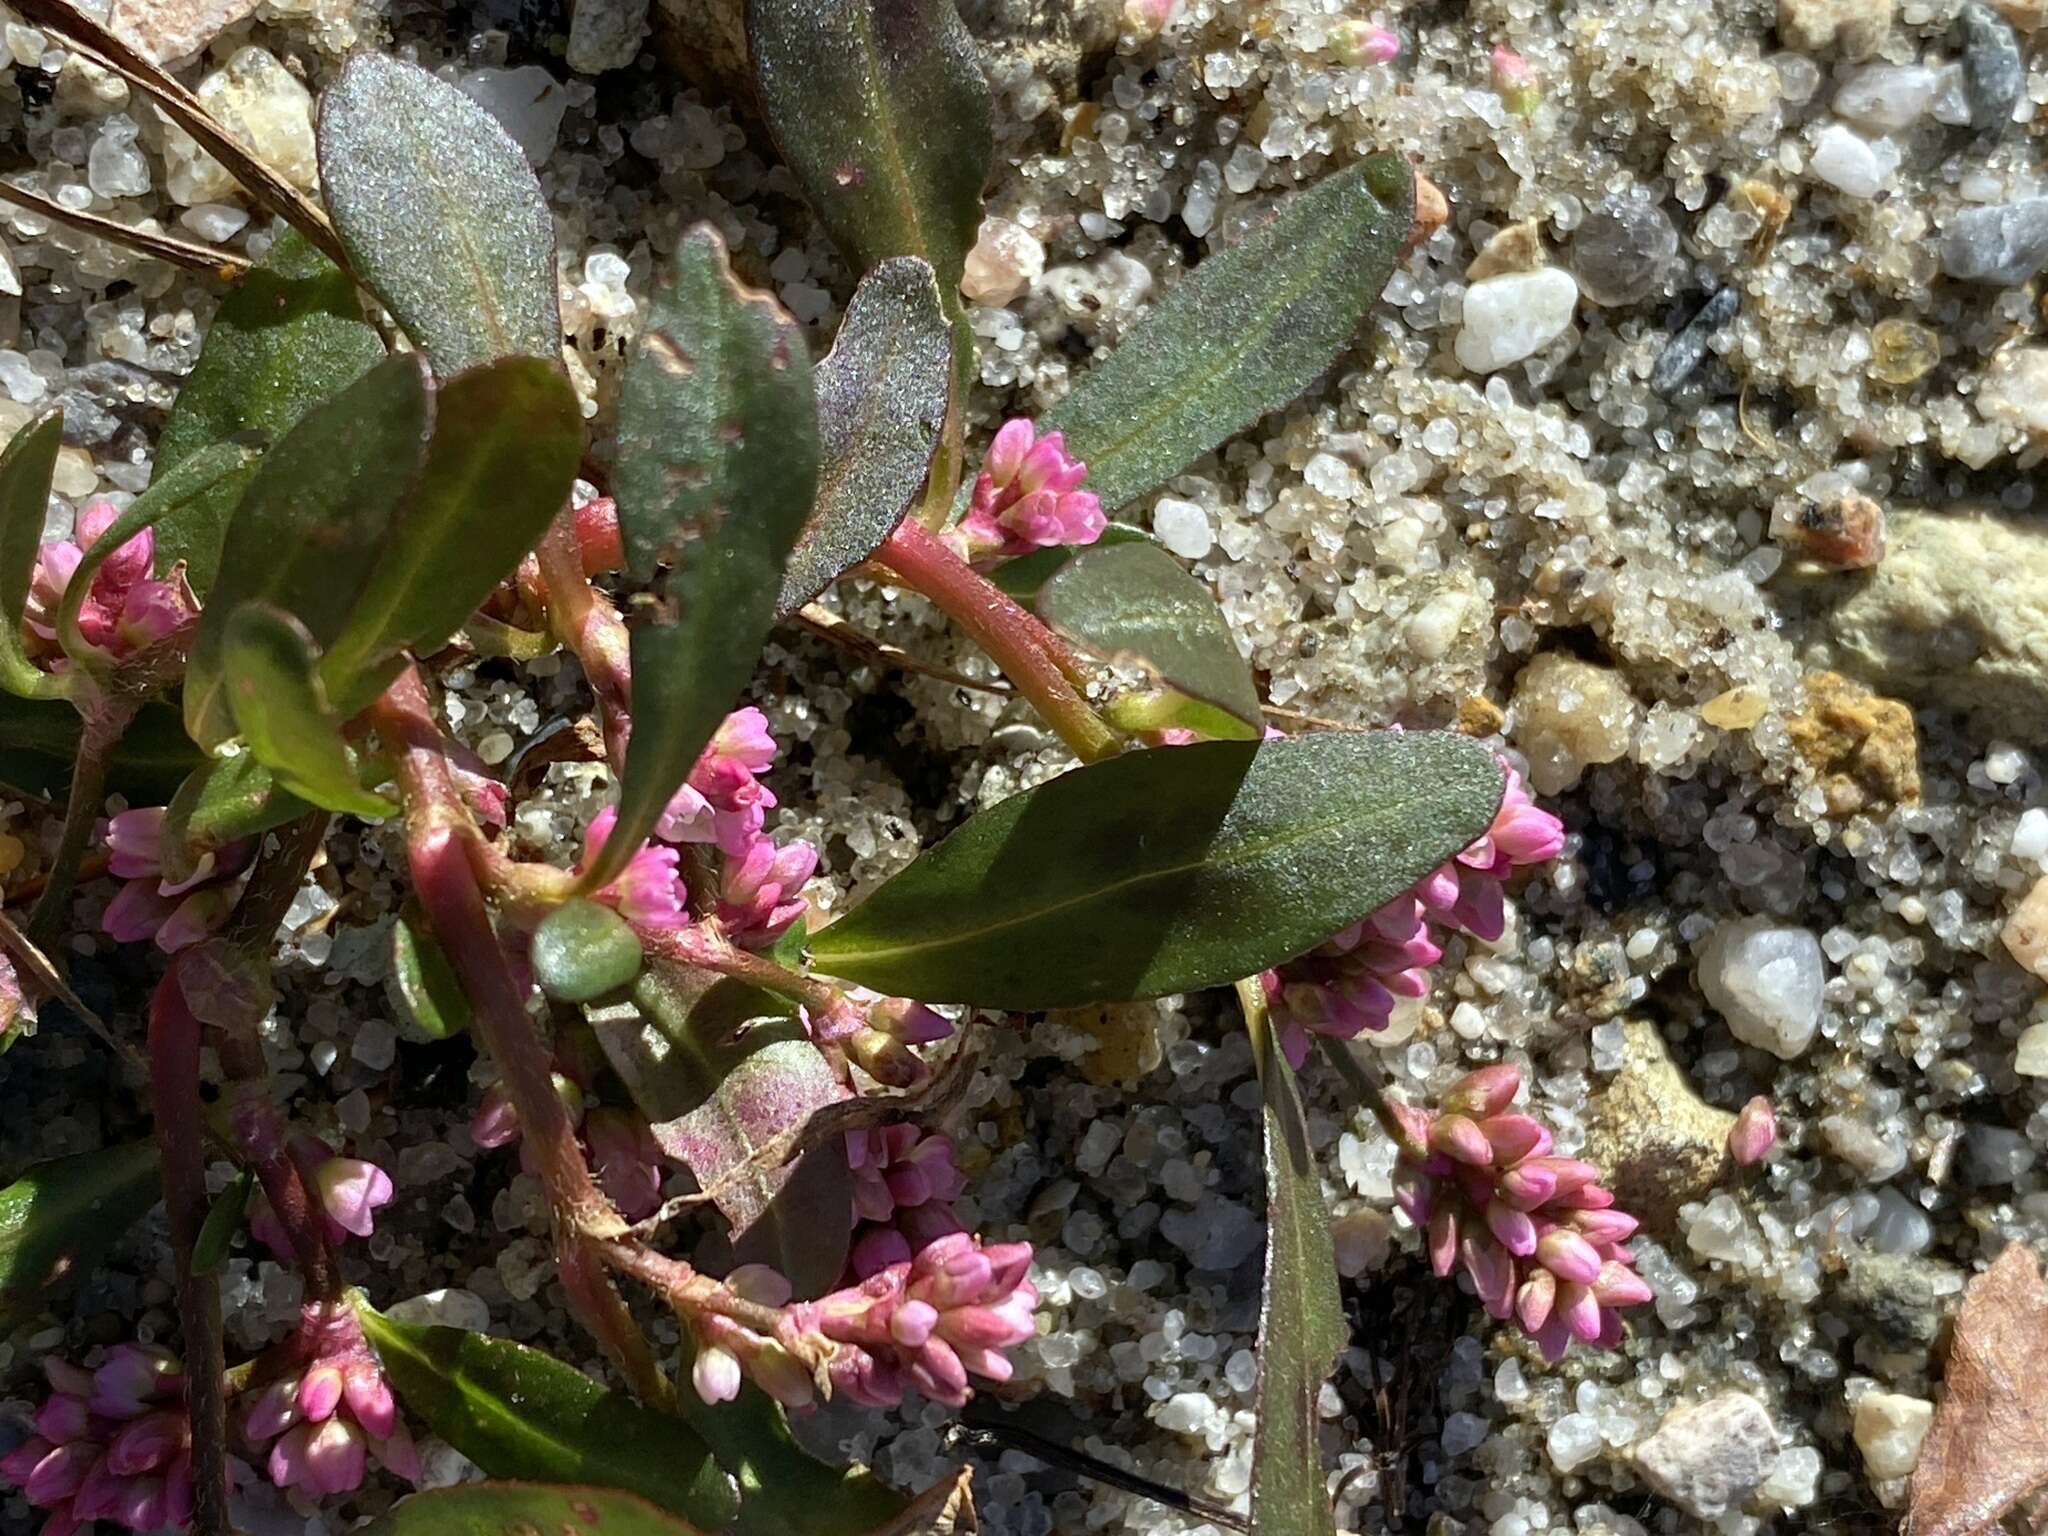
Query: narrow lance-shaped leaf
column 186, row 490
column 527, row 1509
column 784, row 1489
column 722, row 1071
column 39, row 742
column 1244, row 333
column 223, row 1221
column 223, row 799
column 314, row 521
column 441, row 214
column 1134, row 604
column 1167, row 871
column 518, row 1412
column 717, row 464
column 26, row 467
column 59, row 1217
column 508, row 437
column 1301, row 1314
column 289, row 336
column 280, row 708
column 881, row 403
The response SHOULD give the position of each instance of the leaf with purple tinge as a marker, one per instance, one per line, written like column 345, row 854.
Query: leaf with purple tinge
column 723, row 1071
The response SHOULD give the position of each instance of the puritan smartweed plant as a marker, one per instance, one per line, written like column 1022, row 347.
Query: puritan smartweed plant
column 249, row 650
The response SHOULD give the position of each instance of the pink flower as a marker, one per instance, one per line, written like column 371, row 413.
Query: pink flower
column 1754, row 1133
column 110, row 1444
column 1538, row 1234
column 1351, row 982
column 905, row 1181
column 881, row 1045
column 1028, row 497
column 324, row 1408
column 350, row 1191
column 650, row 890
column 760, row 893
column 1514, row 81
column 1360, row 42
column 173, row 913
column 17, row 1008
column 127, row 610
column 931, row 1322
column 723, row 801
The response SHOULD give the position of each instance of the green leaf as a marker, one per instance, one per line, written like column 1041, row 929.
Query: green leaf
column 1167, row 871
column 315, row 520
column 882, row 394
column 271, row 669
column 186, row 490
column 1301, row 1313
column 57, row 1219
column 1134, row 605
column 223, row 1221
column 423, row 978
column 717, row 464
column 440, row 213
column 880, row 110
column 223, row 799
column 1243, row 334
column 582, row 950
column 517, row 1412
column 526, row 1509
column 289, row 336
column 26, row 467
column 508, row 437
column 784, row 1489
column 39, row 741
column 1022, row 577
column 724, row 1073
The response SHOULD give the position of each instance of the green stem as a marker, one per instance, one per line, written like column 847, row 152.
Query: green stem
column 1030, row 655
column 106, row 719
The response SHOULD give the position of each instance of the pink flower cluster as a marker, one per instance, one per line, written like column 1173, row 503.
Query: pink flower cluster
column 350, row 1191
column 723, row 803
column 618, row 1143
column 1538, row 1234
column 1028, row 496
column 110, row 1444
column 324, row 1408
column 904, row 1184
column 127, row 608
column 175, row 913
column 1351, row 981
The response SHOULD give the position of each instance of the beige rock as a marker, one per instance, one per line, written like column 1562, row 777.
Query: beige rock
column 1005, row 261
column 1709, row 1457
column 1862, row 748
column 1956, row 616
column 1518, row 248
column 1889, row 1429
column 1568, row 715
column 2030, row 1056
column 2016, row 390
column 257, row 100
column 1658, row 1143
column 1736, row 710
column 1857, row 28
column 2026, row 931
column 167, row 31
column 76, row 474
column 605, row 34
column 1126, row 1039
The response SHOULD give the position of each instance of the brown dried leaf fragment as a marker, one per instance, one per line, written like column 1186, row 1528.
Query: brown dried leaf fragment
column 1988, row 1446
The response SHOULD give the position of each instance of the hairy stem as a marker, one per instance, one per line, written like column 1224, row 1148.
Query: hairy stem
column 174, row 1097
column 700, row 946
column 686, row 1290
column 448, row 889
column 585, row 621
column 1030, row 655
column 106, row 718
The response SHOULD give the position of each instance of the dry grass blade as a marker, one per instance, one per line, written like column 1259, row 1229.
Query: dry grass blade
column 45, row 976
column 92, row 41
column 944, row 1509
column 834, row 630
column 189, row 254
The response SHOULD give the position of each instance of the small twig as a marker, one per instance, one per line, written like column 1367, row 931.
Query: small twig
column 990, row 1434
column 834, row 630
column 189, row 254
column 1313, row 722
column 44, row 974
column 92, row 40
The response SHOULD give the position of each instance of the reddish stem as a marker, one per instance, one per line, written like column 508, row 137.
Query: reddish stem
column 174, row 1098
column 585, row 621
column 833, row 1015
column 1030, row 655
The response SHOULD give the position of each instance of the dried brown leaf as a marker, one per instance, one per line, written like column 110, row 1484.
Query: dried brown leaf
column 1988, row 1445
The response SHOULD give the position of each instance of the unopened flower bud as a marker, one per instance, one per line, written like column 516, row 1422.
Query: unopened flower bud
column 1514, row 81
column 1754, row 1133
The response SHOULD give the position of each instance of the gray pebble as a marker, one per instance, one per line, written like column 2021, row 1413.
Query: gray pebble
column 2001, row 246
column 1897, row 1299
column 1621, row 249
column 1994, row 73
column 1688, row 347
